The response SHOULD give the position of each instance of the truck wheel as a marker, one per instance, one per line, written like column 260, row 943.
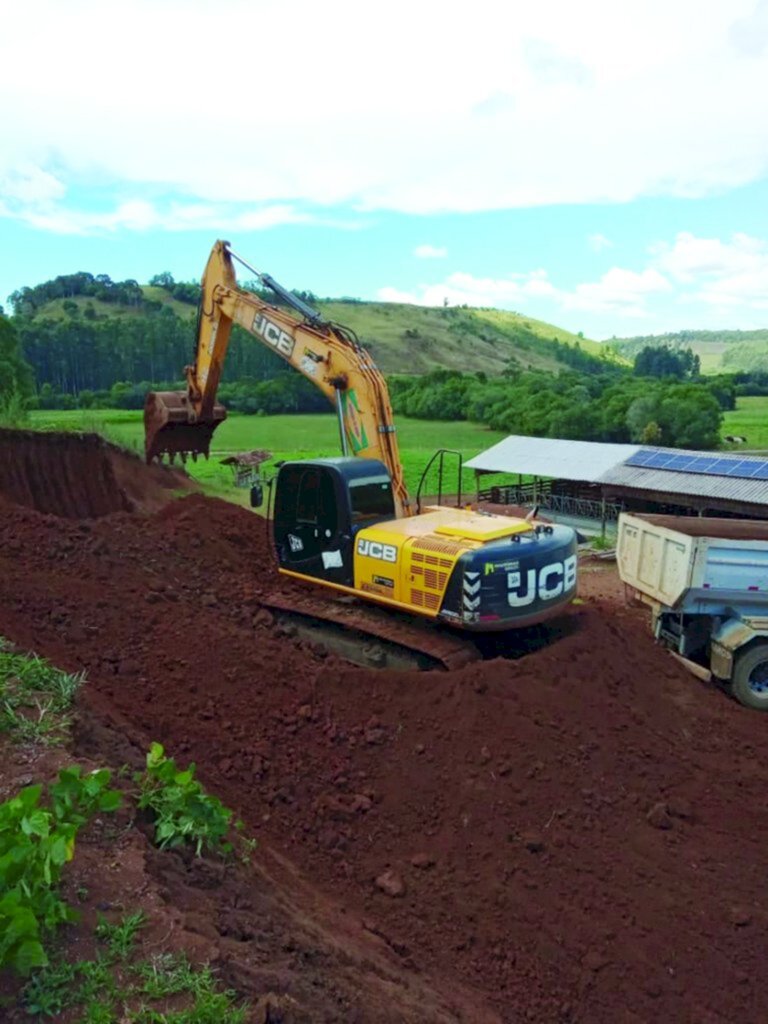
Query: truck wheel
column 749, row 684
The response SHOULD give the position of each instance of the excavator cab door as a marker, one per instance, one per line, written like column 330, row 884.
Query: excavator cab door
column 312, row 525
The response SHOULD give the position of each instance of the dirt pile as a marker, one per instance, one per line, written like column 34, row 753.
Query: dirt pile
column 80, row 476
column 577, row 835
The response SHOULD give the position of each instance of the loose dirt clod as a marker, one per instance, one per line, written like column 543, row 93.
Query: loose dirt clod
column 584, row 736
column 391, row 883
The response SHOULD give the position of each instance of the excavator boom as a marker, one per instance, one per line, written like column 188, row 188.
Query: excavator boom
column 182, row 423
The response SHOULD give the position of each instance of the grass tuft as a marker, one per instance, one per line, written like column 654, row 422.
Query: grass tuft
column 35, row 697
column 120, row 938
column 108, row 992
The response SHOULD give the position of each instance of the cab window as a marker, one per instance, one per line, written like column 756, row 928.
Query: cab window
column 316, row 500
column 371, row 498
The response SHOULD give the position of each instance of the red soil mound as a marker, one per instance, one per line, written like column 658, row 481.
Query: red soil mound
column 80, row 476
column 577, row 835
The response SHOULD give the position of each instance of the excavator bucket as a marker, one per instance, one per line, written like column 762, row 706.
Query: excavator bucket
column 172, row 428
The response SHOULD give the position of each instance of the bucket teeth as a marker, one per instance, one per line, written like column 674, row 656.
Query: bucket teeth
column 171, row 427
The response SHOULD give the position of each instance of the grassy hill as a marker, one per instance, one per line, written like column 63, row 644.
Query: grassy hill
column 402, row 338
column 719, row 351
column 416, row 339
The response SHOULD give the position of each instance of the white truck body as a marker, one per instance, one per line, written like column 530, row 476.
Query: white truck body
column 695, row 564
column 706, row 581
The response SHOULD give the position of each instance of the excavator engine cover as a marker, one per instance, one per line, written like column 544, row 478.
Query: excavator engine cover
column 172, row 428
column 334, row 523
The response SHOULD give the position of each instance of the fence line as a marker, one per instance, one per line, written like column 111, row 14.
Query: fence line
column 542, row 495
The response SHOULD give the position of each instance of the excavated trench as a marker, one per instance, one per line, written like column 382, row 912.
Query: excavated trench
column 80, row 476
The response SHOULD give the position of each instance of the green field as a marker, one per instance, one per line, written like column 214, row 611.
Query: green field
column 309, row 436
column 287, row 437
column 750, row 420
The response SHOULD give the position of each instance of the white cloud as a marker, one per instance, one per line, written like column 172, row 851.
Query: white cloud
column 689, row 258
column 618, row 290
column 430, row 252
column 730, row 274
column 598, row 242
column 688, row 281
column 750, row 34
column 465, row 289
column 27, row 184
column 141, row 215
column 513, row 106
column 621, row 291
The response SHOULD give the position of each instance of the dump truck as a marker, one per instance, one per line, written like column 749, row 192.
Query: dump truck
column 706, row 582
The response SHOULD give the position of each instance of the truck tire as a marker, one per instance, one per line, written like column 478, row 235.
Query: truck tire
column 749, row 683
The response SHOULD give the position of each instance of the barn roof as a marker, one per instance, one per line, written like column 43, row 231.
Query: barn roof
column 724, row 476
column 543, row 456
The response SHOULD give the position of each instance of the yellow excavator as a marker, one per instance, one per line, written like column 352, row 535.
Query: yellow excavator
column 347, row 523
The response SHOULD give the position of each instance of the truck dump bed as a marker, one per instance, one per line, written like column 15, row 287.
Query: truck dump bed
column 695, row 565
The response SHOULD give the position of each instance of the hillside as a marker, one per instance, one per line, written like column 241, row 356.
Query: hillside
column 719, row 351
column 420, row 338
column 100, row 315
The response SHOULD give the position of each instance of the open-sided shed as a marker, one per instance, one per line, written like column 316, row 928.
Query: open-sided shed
column 597, row 480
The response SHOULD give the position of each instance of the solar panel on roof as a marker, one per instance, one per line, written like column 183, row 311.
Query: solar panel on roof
column 708, row 465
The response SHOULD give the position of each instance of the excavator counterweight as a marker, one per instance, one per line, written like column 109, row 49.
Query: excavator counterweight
column 171, row 428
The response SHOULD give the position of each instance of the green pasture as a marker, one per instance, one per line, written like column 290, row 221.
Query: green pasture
column 749, row 419
column 287, row 437
column 309, row 436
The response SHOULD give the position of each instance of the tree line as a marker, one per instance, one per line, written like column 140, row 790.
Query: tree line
column 27, row 301
column 91, row 361
column 73, row 355
column 607, row 407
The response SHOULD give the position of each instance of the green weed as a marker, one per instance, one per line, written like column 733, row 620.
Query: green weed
column 99, row 1012
column 36, row 841
column 50, row 990
column 172, row 975
column 35, row 697
column 183, row 812
column 120, row 938
column 13, row 410
column 96, row 986
column 603, row 543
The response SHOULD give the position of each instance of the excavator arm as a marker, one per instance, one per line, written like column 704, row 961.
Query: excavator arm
column 325, row 353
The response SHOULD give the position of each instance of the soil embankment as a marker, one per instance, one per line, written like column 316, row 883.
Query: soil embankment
column 577, row 835
column 81, row 476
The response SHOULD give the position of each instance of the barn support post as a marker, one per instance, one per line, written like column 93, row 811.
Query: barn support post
column 602, row 514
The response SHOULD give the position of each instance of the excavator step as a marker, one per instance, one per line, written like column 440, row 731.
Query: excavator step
column 371, row 636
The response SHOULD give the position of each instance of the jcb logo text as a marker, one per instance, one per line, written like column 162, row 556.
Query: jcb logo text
column 275, row 336
column 546, row 583
column 373, row 549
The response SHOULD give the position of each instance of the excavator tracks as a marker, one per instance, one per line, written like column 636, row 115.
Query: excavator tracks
column 370, row 636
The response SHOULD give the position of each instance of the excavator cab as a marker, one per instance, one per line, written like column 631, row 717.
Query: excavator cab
column 320, row 505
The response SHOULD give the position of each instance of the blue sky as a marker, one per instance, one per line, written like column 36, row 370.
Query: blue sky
column 599, row 166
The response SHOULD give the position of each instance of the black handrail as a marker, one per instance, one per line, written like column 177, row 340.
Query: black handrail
column 442, row 452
